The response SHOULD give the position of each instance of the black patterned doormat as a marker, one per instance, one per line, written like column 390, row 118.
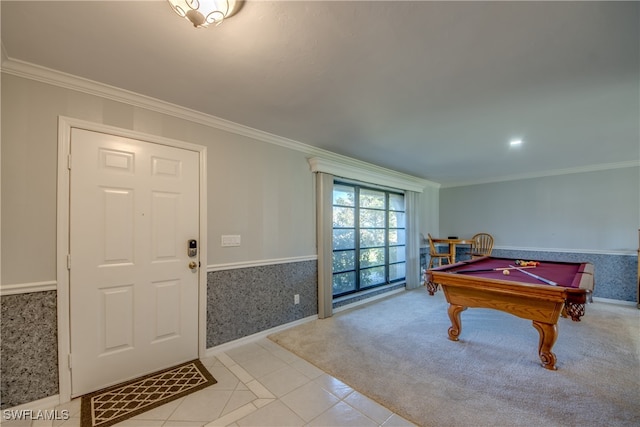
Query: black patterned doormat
column 117, row 403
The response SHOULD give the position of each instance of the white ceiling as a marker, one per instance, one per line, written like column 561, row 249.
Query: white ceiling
column 432, row 89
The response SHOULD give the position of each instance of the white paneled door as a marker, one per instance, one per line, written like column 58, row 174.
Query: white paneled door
column 134, row 206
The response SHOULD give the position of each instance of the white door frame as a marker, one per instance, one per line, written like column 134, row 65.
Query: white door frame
column 65, row 124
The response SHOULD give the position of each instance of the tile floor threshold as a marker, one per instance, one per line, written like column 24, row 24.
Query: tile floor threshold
column 260, row 384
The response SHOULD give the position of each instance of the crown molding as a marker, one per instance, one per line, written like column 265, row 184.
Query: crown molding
column 68, row 81
column 581, row 169
column 56, row 78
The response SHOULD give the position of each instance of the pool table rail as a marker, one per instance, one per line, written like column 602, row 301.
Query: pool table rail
column 576, row 295
column 541, row 303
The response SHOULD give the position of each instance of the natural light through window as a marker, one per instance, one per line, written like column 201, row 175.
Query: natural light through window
column 368, row 238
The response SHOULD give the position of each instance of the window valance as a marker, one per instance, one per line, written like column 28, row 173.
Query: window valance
column 365, row 172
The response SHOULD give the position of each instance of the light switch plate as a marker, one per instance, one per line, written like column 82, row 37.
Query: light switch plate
column 231, row 240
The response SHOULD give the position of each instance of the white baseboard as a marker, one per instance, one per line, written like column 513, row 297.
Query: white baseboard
column 614, row 301
column 368, row 300
column 212, row 351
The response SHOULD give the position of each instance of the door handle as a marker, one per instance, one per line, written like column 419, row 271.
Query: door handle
column 193, row 265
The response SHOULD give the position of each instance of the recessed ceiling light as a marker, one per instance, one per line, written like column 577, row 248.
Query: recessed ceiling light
column 515, row 142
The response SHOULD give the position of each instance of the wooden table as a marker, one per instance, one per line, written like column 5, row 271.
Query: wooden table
column 481, row 283
column 452, row 243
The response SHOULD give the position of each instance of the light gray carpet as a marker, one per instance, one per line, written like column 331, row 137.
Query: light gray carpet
column 396, row 351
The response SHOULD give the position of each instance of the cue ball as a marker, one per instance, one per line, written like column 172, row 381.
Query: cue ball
column 505, row 272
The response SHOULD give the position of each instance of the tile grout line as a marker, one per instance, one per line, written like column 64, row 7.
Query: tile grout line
column 342, row 399
column 245, row 378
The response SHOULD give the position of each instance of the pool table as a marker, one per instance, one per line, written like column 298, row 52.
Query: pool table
column 539, row 293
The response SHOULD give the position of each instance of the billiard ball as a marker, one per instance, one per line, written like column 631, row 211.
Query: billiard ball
column 505, row 272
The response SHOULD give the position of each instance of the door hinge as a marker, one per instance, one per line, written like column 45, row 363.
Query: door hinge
column 68, row 261
column 69, row 161
column 70, row 364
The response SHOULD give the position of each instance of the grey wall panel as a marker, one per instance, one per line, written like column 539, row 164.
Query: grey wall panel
column 29, row 360
column 245, row 301
column 590, row 211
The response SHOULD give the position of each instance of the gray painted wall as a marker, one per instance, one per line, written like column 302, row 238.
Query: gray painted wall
column 593, row 211
column 258, row 190
column 589, row 216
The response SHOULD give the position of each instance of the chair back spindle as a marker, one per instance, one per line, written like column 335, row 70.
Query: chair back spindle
column 482, row 245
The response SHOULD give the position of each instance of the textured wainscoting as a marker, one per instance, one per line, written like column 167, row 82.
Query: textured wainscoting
column 615, row 275
column 29, row 361
column 245, row 301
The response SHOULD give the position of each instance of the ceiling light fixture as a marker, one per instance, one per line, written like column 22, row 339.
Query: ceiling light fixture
column 203, row 13
column 515, row 142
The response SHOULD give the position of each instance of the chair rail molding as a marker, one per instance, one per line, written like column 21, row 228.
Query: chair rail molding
column 624, row 252
column 260, row 263
column 25, row 288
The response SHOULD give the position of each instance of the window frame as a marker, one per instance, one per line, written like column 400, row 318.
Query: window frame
column 357, row 250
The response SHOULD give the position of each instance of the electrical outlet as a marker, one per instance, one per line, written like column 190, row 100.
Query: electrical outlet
column 296, row 299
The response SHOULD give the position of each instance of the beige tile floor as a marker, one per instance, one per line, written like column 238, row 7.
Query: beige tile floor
column 259, row 384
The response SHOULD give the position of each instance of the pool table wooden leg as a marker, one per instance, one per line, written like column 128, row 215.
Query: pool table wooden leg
column 456, row 325
column 548, row 335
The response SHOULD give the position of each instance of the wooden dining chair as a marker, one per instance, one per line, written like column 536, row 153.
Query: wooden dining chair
column 439, row 256
column 482, row 245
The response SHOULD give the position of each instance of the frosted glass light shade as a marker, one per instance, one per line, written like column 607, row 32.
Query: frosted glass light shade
column 202, row 13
